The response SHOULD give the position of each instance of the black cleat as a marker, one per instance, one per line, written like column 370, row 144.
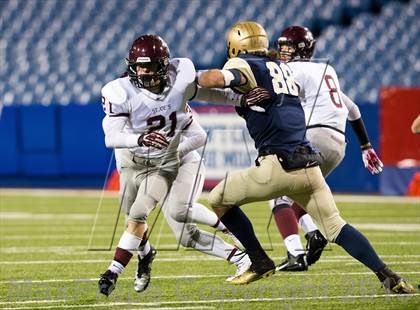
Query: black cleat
column 293, row 263
column 315, row 245
column 107, row 282
column 144, row 268
column 262, row 266
column 393, row 282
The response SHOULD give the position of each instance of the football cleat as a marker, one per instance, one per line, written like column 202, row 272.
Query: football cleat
column 393, row 283
column 315, row 245
column 261, row 267
column 107, row 282
column 293, row 263
column 144, row 268
column 242, row 265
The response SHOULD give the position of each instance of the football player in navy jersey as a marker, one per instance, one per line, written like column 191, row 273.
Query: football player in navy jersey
column 287, row 164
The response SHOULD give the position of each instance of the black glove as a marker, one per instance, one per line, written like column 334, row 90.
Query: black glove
column 254, row 97
column 153, row 139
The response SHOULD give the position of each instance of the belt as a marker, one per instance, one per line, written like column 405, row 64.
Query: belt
column 154, row 161
column 301, row 159
column 326, row 126
column 147, row 161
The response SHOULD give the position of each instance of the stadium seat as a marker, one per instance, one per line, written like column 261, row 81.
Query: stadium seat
column 63, row 51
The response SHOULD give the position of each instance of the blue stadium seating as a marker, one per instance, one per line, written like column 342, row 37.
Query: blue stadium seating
column 64, row 51
column 375, row 51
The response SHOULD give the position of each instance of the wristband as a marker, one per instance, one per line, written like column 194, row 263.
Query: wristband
column 232, row 77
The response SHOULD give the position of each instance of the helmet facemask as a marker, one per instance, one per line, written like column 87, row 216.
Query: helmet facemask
column 296, row 43
column 153, row 76
column 286, row 50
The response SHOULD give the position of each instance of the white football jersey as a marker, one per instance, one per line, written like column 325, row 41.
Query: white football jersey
column 329, row 107
column 166, row 113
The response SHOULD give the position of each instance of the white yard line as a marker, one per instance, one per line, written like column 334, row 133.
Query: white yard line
column 172, row 308
column 164, row 247
column 388, row 226
column 48, row 301
column 43, row 236
column 33, row 192
column 169, row 308
column 168, row 257
column 221, row 301
column 97, row 194
column 377, row 229
column 112, row 305
column 326, row 259
column 204, row 276
column 51, row 249
column 44, row 216
column 47, row 237
column 375, row 199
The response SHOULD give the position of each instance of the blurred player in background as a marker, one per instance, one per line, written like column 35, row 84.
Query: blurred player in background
column 326, row 110
column 146, row 113
column 287, row 164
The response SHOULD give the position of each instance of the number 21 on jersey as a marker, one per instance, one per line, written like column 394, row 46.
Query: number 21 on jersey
column 283, row 81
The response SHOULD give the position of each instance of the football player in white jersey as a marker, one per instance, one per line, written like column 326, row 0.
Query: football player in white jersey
column 146, row 113
column 182, row 212
column 327, row 109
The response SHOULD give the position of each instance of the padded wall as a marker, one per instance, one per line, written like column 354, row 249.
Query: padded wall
column 59, row 146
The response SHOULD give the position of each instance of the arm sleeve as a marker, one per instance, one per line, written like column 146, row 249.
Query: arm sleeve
column 218, row 96
column 354, row 112
column 361, row 133
column 194, row 138
column 114, row 135
column 356, row 121
column 191, row 91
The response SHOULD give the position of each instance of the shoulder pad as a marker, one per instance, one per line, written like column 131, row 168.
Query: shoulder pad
column 297, row 65
column 243, row 66
column 114, row 92
column 186, row 67
column 331, row 68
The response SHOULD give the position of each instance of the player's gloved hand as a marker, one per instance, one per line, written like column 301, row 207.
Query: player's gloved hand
column 153, row 139
column 255, row 97
column 371, row 160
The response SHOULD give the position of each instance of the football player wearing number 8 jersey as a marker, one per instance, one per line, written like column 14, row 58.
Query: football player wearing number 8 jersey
column 146, row 112
column 287, row 164
column 326, row 111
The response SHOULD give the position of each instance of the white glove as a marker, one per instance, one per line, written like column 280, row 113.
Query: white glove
column 372, row 161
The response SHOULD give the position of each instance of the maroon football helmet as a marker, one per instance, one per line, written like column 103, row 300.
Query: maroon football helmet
column 296, row 42
column 152, row 54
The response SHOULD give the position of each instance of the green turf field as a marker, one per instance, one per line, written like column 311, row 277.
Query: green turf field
column 45, row 262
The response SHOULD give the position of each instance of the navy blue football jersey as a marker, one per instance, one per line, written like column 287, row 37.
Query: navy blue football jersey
column 281, row 128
